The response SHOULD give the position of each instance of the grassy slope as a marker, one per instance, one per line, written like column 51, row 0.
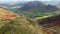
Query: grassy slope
column 15, row 11
column 34, row 13
column 19, row 25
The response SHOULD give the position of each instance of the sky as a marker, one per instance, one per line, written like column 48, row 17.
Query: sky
column 3, row 1
column 22, row 0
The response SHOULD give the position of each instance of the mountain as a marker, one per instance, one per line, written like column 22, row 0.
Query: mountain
column 3, row 5
column 47, row 21
column 37, row 5
column 12, row 4
column 52, row 2
column 55, row 3
column 52, row 23
column 58, row 5
column 15, row 4
column 31, row 5
column 4, row 14
column 32, row 8
column 11, row 23
column 51, row 8
column 37, row 8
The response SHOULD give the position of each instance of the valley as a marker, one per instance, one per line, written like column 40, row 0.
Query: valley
column 33, row 17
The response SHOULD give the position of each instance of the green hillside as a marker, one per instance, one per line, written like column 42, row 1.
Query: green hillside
column 18, row 26
column 35, row 13
column 22, row 25
column 10, row 24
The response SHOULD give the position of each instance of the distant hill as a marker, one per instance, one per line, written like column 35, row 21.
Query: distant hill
column 32, row 9
column 3, row 5
column 19, row 24
column 58, row 5
column 11, row 5
column 37, row 5
column 51, row 8
column 50, row 21
column 15, row 4
column 43, row 18
column 37, row 8
column 31, row 5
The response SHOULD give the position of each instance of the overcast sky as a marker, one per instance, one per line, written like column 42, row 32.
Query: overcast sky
column 1, row 1
column 24, row 0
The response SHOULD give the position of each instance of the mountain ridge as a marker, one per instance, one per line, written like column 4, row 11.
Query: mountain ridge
column 5, row 14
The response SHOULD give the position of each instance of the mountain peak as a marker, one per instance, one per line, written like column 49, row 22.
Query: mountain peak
column 31, row 5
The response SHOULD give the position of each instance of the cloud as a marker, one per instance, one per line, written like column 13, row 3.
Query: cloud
column 25, row 0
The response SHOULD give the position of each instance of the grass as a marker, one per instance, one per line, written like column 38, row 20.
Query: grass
column 19, row 26
column 22, row 25
column 35, row 12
